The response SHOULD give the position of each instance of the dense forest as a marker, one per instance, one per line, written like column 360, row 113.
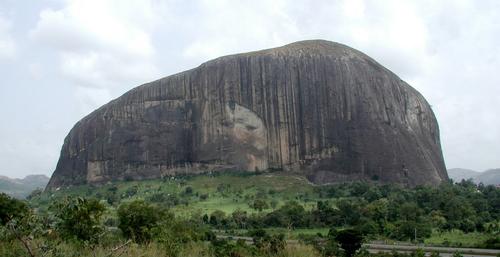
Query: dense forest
column 164, row 217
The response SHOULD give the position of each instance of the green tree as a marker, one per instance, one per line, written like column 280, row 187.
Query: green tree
column 378, row 211
column 292, row 214
column 350, row 241
column 274, row 203
column 217, row 218
column 240, row 218
column 11, row 208
column 173, row 234
column 188, row 190
column 18, row 222
column 409, row 229
column 260, row 205
column 270, row 244
column 349, row 211
column 137, row 219
column 79, row 218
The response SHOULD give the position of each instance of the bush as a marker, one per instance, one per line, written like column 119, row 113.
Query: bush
column 350, row 241
column 259, row 205
column 492, row 243
column 270, row 244
column 188, row 190
column 203, row 197
column 24, row 229
column 173, row 235
column 291, row 214
column 224, row 248
column 137, row 218
column 169, row 200
column 79, row 218
column 218, row 218
column 406, row 230
column 11, row 208
column 132, row 191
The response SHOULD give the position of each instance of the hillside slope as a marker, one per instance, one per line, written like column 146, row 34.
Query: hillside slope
column 457, row 174
column 488, row 177
column 20, row 188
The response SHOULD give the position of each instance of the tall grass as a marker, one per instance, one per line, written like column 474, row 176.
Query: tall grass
column 193, row 249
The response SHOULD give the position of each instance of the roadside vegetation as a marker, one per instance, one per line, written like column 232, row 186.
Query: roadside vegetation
column 198, row 216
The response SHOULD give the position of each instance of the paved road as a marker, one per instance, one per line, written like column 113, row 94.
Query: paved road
column 444, row 251
column 374, row 248
column 428, row 253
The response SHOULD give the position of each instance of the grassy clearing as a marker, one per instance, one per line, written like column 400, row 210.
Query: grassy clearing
column 225, row 192
column 295, row 233
column 456, row 238
column 289, row 234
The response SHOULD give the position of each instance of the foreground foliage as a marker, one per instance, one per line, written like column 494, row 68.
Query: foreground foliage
column 79, row 219
column 181, row 217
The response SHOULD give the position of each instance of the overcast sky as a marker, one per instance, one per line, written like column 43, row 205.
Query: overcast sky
column 59, row 60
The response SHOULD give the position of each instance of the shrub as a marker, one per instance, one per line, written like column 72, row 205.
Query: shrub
column 11, row 208
column 224, row 248
column 259, row 205
column 168, row 200
column 492, row 242
column 350, row 241
column 137, row 218
column 173, row 235
column 79, row 218
column 406, row 230
column 271, row 244
column 203, row 197
column 218, row 218
column 188, row 190
column 132, row 191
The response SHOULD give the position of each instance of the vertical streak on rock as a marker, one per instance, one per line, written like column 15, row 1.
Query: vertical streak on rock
column 316, row 108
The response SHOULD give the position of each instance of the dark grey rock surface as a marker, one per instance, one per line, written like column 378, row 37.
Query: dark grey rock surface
column 315, row 108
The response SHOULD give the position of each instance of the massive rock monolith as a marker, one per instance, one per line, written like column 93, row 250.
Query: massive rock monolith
column 315, row 108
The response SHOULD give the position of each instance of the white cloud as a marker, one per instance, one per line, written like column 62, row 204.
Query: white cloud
column 105, row 70
column 89, row 98
column 224, row 27
column 101, row 44
column 7, row 44
column 98, row 25
column 394, row 32
column 448, row 50
column 462, row 84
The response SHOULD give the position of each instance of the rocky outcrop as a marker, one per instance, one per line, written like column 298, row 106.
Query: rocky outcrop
column 315, row 108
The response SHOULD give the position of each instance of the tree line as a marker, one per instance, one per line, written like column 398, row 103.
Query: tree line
column 354, row 212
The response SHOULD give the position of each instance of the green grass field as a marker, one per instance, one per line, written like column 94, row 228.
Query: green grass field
column 289, row 234
column 456, row 238
column 225, row 192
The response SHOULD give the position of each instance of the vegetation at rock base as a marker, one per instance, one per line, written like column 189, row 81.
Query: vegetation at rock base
column 198, row 215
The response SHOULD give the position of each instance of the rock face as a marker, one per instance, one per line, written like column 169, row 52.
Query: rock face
column 316, row 108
